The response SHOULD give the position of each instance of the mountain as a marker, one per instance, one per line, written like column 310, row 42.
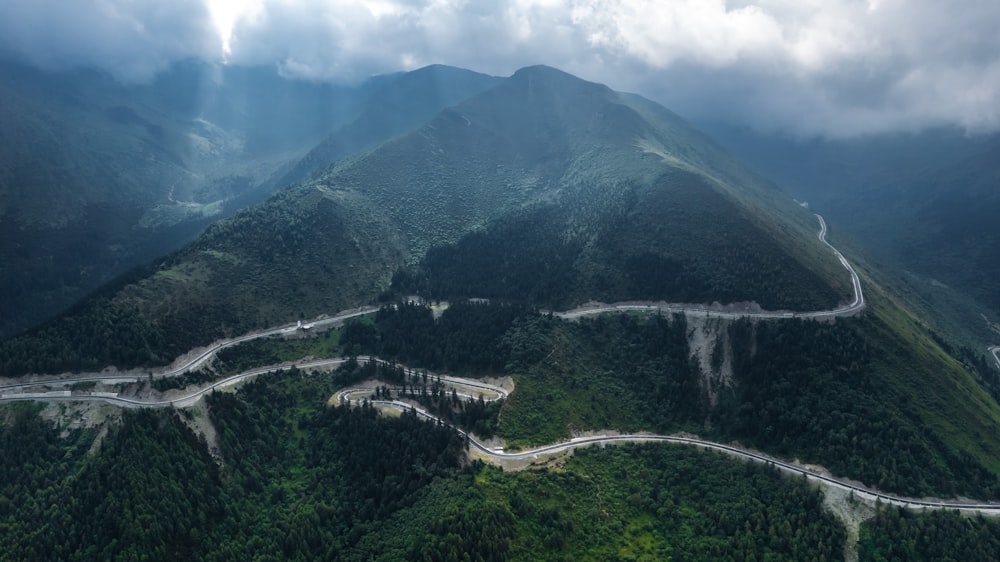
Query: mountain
column 922, row 202
column 540, row 191
column 552, row 191
column 397, row 104
column 98, row 177
column 586, row 169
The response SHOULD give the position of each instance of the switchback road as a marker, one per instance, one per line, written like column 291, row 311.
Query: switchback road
column 14, row 392
column 185, row 399
column 203, row 355
column 490, row 393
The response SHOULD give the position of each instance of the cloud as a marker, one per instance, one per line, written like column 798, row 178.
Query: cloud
column 828, row 67
column 132, row 39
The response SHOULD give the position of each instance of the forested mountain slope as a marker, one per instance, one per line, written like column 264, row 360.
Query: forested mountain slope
column 924, row 203
column 97, row 176
column 547, row 191
column 638, row 196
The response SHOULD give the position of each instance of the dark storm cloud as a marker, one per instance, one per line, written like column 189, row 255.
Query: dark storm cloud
column 832, row 67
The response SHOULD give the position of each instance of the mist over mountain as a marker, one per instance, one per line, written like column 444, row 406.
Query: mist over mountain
column 98, row 177
column 925, row 203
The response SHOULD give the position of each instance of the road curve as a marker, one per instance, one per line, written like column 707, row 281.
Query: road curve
column 857, row 303
column 190, row 364
column 182, row 401
column 344, row 397
column 488, row 391
column 861, row 491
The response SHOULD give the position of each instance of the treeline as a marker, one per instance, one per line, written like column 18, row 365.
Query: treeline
column 94, row 335
column 662, row 502
column 35, row 466
column 273, row 350
column 297, row 480
column 189, row 378
column 813, row 390
column 522, row 257
column 295, row 256
column 307, row 481
column 688, row 241
column 472, row 414
column 151, row 493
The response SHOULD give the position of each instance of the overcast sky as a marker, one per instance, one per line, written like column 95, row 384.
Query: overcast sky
column 827, row 67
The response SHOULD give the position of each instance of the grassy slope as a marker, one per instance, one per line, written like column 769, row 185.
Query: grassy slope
column 931, row 384
column 396, row 105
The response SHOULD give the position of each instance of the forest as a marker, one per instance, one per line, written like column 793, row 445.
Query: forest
column 299, row 480
column 809, row 389
column 897, row 534
column 556, row 257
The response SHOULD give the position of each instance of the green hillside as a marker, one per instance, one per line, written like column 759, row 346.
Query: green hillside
column 539, row 191
column 97, row 177
column 921, row 204
column 634, row 208
column 305, row 250
column 299, row 481
column 868, row 398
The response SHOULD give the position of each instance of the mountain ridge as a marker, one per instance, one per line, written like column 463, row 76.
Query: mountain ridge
column 97, row 177
column 504, row 151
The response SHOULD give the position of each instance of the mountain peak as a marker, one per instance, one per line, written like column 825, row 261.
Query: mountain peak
column 552, row 76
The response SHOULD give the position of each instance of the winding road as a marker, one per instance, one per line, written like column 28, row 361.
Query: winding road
column 187, row 365
column 860, row 491
column 855, row 306
column 16, row 391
